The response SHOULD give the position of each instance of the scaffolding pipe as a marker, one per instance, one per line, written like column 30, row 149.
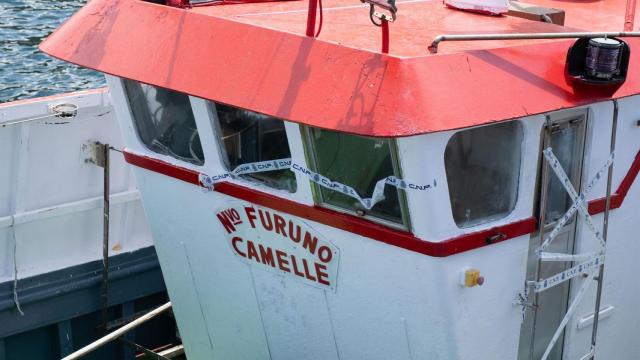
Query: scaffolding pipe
column 116, row 334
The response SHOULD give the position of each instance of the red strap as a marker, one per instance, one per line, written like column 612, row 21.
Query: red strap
column 311, row 18
column 385, row 36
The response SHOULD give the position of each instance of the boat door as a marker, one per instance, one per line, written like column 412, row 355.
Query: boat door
column 565, row 134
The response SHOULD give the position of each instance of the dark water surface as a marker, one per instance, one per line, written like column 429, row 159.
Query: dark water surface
column 25, row 72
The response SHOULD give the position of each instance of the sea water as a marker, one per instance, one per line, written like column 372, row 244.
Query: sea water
column 26, row 72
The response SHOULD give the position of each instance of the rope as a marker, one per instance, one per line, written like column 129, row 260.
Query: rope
column 16, row 300
column 319, row 25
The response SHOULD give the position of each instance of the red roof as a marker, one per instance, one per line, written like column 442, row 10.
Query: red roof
column 257, row 57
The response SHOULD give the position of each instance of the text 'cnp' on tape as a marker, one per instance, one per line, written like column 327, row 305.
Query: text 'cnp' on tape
column 568, row 274
column 271, row 165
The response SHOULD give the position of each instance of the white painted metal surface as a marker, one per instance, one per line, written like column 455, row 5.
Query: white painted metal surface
column 50, row 199
column 621, row 288
column 389, row 303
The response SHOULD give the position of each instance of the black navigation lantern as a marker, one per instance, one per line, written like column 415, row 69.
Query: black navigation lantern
column 597, row 62
column 603, row 58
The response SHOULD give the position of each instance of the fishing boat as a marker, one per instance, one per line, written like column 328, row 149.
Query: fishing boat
column 63, row 279
column 382, row 180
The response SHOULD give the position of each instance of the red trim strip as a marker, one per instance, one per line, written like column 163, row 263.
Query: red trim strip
column 145, row 162
column 366, row 228
column 597, row 206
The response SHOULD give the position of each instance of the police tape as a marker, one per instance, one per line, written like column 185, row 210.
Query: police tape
column 378, row 190
column 546, row 256
column 578, row 200
column 282, row 164
column 245, row 169
column 582, row 291
column 590, row 260
column 568, row 274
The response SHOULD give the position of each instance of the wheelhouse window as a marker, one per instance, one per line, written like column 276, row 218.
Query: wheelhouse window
column 164, row 121
column 483, row 171
column 246, row 137
column 566, row 141
column 358, row 162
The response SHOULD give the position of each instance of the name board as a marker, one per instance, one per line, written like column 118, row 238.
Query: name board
column 280, row 243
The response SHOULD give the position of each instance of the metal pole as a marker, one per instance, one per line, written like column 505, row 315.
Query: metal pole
column 433, row 48
column 116, row 334
column 605, row 228
column 104, row 287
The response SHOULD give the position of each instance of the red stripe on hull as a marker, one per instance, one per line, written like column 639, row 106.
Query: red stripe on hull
column 366, row 228
column 162, row 167
column 598, row 205
column 369, row 229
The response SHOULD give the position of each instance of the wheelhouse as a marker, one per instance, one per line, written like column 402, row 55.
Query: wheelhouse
column 476, row 186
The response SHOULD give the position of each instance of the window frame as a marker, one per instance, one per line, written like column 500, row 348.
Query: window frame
column 563, row 119
column 134, row 127
column 311, row 155
column 224, row 158
column 519, row 181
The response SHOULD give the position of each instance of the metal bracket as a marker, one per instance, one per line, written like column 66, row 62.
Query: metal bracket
column 521, row 300
column 96, row 153
column 65, row 110
column 388, row 5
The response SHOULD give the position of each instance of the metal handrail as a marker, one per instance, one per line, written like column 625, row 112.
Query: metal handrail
column 433, row 48
column 605, row 228
column 116, row 334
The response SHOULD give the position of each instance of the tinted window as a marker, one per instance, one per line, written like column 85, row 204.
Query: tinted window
column 247, row 137
column 358, row 162
column 483, row 170
column 164, row 121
